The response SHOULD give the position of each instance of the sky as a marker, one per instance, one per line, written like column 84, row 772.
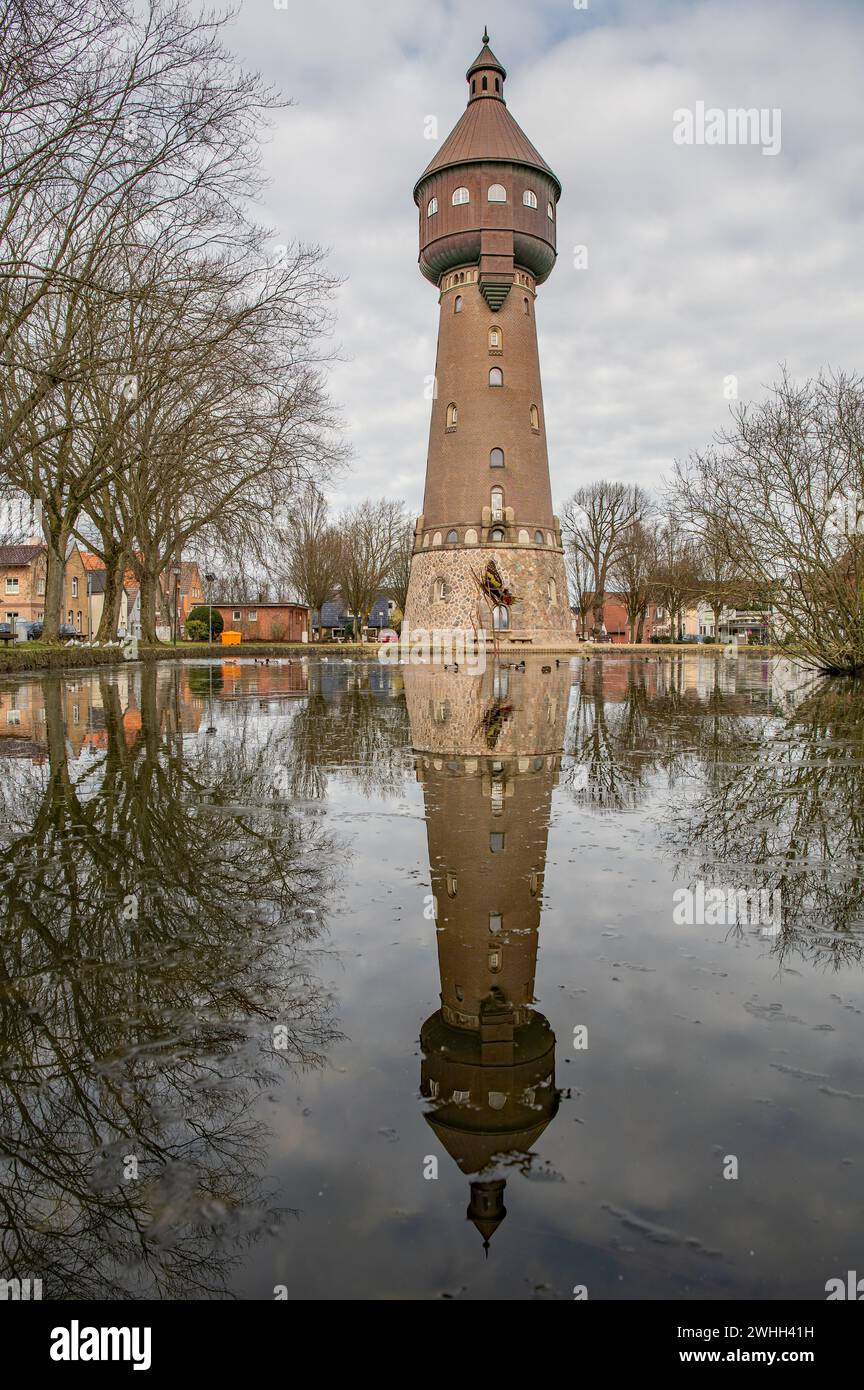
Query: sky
column 705, row 262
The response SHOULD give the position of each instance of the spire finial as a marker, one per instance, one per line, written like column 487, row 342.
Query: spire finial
column 485, row 34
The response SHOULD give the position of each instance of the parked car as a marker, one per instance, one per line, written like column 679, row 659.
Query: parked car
column 34, row 631
column 68, row 633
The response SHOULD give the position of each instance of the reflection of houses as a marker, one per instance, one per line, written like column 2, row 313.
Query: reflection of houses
column 487, row 753
column 265, row 622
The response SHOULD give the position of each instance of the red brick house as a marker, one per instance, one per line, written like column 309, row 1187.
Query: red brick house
column 22, row 582
column 265, row 622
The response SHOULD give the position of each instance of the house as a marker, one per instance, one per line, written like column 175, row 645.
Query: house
column 337, row 621
column 84, row 586
column 22, row 582
column 265, row 622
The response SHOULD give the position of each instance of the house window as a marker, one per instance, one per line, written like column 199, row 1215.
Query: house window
column 496, row 842
column 496, row 340
column 497, row 534
column 70, row 618
column 550, row 212
column 501, row 614
column 431, row 207
column 497, row 193
column 252, row 616
column 529, row 199
column 79, row 620
column 12, row 585
column 40, row 586
column 460, row 195
column 452, row 537
column 496, row 376
column 496, row 458
column 452, row 416
column 457, row 304
column 538, row 537
column 237, row 615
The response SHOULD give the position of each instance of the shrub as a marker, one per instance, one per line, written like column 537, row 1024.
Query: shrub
column 200, row 616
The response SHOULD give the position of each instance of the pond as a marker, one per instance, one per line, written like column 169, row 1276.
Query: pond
column 328, row 980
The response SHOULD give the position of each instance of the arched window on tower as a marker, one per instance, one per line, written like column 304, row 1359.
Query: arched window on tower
column 452, row 416
column 553, row 591
column 460, row 195
column 526, row 307
column 501, row 618
column 534, row 415
column 473, row 85
column 529, row 198
column 452, row 537
column 497, row 503
column 496, row 376
column 497, row 534
column 497, row 85
column 457, row 304
column 496, row 339
column 485, row 84
column 496, row 458
column 440, row 588
column 431, row 207
column 497, row 193
column 550, row 212
column 538, row 537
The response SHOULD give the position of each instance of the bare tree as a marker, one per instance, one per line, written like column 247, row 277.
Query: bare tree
column 595, row 521
column 371, row 533
column 580, row 579
column 785, row 483
column 675, row 579
column 633, row 573
column 400, row 572
column 313, row 551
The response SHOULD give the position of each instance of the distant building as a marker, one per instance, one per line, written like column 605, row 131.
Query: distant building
column 265, row 622
column 22, row 582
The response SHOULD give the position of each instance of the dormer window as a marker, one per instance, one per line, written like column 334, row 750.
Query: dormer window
column 460, row 195
column 529, row 199
column 497, row 193
column 431, row 207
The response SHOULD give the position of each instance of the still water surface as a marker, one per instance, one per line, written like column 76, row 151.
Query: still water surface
column 298, row 962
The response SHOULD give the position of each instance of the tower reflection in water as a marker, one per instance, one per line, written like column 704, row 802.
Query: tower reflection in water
column 488, row 753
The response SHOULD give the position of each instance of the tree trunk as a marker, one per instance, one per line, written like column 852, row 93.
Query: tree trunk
column 640, row 626
column 148, row 606
column 110, row 620
column 57, row 540
column 599, row 604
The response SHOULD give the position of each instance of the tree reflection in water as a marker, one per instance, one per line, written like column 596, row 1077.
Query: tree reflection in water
column 159, row 916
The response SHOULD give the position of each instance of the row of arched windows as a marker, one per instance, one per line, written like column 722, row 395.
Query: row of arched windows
column 495, row 193
column 496, row 458
column 497, row 533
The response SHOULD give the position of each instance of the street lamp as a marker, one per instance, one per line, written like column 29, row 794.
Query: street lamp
column 209, row 578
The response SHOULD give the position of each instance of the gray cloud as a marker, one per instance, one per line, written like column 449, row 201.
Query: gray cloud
column 703, row 261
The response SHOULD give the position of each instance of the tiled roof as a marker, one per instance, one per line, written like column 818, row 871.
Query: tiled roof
column 486, row 131
column 19, row 554
column 90, row 562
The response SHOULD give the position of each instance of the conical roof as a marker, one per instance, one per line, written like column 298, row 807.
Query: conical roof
column 486, row 132
column 486, row 59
